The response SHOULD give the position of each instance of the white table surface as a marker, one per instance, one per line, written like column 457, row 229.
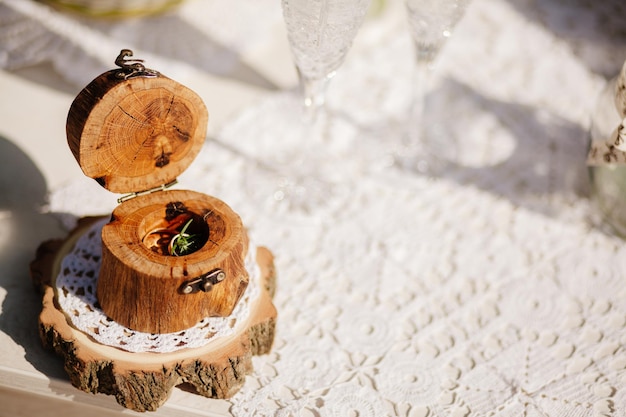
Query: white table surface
column 488, row 290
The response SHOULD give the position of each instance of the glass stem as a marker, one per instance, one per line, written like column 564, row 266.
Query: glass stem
column 314, row 93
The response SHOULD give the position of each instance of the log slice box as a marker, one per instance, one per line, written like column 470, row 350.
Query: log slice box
column 134, row 131
column 169, row 258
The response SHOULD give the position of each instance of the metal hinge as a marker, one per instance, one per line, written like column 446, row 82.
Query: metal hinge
column 162, row 187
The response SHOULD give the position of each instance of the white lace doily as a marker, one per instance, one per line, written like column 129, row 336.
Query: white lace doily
column 76, row 292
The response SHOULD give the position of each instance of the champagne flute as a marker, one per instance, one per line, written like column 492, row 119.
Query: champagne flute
column 320, row 33
column 431, row 23
column 302, row 168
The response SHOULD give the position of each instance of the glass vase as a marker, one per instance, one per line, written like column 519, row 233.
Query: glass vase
column 608, row 182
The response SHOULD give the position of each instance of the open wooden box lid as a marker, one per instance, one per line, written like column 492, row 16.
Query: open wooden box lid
column 133, row 129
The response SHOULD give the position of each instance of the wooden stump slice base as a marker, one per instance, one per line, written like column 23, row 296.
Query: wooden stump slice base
column 143, row 381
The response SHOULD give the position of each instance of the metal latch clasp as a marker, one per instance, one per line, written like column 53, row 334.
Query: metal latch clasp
column 203, row 283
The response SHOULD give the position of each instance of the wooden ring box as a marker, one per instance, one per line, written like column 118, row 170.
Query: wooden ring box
column 134, row 131
column 136, row 135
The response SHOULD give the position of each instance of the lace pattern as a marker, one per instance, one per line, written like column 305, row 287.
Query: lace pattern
column 76, row 292
column 487, row 291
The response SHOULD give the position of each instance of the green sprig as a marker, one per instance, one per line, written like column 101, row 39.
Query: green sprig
column 182, row 242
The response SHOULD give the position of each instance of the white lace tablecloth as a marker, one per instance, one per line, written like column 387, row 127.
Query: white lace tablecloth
column 490, row 290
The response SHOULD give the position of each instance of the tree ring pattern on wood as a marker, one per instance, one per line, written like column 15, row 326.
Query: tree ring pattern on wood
column 135, row 134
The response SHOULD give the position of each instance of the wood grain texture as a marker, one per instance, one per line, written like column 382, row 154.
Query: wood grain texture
column 143, row 381
column 135, row 134
column 133, row 276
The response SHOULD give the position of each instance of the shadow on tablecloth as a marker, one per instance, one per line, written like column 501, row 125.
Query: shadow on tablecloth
column 23, row 226
column 542, row 167
column 590, row 27
column 77, row 48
